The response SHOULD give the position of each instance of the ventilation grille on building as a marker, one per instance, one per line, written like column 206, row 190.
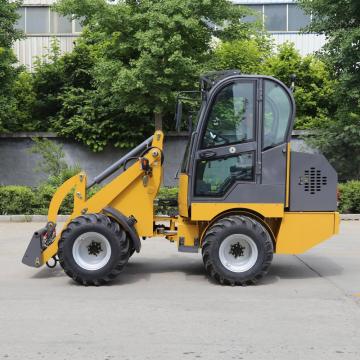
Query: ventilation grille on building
column 313, row 181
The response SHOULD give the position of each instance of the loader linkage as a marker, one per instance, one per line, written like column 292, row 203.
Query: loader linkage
column 41, row 239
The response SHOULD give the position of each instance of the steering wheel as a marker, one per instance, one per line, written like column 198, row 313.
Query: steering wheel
column 211, row 138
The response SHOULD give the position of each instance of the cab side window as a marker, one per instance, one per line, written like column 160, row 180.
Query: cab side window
column 215, row 177
column 277, row 114
column 232, row 117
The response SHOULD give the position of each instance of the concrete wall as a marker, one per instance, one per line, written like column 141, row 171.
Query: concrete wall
column 17, row 165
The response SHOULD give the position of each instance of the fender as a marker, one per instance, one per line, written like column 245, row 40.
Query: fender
column 241, row 211
column 127, row 225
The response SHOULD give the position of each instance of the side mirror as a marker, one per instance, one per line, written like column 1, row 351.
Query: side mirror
column 178, row 115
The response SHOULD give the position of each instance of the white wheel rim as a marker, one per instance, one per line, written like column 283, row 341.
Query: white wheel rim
column 238, row 253
column 91, row 251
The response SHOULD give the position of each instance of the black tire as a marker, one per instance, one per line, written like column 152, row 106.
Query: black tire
column 132, row 250
column 113, row 233
column 234, row 225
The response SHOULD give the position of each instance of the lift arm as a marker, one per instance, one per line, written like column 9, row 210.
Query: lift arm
column 132, row 193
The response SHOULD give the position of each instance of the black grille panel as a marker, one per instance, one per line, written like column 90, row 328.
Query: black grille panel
column 313, row 180
column 313, row 183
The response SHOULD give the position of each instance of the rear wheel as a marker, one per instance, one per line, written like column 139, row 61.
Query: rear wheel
column 93, row 249
column 237, row 250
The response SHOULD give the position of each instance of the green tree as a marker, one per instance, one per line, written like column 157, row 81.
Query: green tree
column 246, row 55
column 8, row 73
column 314, row 89
column 138, row 55
column 339, row 138
column 314, row 86
column 52, row 161
column 48, row 80
column 20, row 106
column 8, row 19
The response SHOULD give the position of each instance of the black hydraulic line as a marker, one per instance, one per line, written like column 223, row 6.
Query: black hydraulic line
column 129, row 159
column 116, row 166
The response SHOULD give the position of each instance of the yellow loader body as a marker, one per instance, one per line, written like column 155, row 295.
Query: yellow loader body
column 243, row 194
column 133, row 194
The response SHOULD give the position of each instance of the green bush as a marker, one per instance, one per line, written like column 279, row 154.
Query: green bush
column 25, row 200
column 45, row 192
column 349, row 196
column 19, row 200
column 43, row 196
column 167, row 193
column 16, row 200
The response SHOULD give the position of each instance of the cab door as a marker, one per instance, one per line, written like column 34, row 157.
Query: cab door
column 240, row 152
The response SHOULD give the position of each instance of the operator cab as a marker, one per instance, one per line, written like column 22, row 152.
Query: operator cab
column 237, row 152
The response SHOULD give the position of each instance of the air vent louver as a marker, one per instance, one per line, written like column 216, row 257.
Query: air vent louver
column 312, row 180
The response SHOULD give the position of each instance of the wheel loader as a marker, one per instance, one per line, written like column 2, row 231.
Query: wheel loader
column 244, row 194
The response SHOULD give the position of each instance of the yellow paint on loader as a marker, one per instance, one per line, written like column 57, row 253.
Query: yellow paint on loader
column 188, row 231
column 208, row 211
column 132, row 192
column 300, row 231
column 183, row 195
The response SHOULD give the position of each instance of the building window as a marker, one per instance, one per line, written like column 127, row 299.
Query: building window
column 275, row 17
column 60, row 24
column 20, row 24
column 279, row 17
column 41, row 20
column 259, row 16
column 78, row 25
column 37, row 20
column 297, row 18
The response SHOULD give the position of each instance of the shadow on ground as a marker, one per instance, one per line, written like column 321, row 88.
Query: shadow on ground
column 284, row 267
column 304, row 267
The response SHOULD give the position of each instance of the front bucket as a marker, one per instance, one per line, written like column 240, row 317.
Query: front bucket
column 32, row 256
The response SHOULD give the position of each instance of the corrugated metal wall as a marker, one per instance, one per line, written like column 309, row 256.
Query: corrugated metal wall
column 305, row 43
column 28, row 49
column 38, row 45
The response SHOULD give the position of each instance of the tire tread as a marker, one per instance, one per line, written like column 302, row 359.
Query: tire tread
column 214, row 233
column 111, row 225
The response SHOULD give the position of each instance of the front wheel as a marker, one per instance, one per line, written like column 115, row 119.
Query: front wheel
column 93, row 249
column 237, row 250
